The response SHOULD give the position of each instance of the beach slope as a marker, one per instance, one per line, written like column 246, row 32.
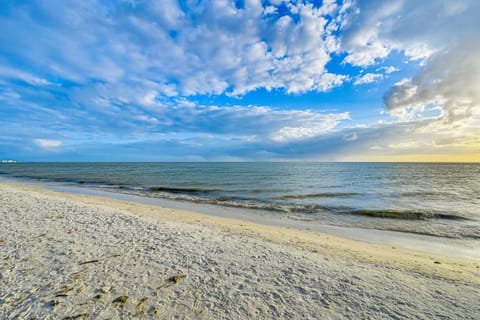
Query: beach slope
column 70, row 256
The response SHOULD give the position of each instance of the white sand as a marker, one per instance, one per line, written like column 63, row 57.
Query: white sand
column 66, row 256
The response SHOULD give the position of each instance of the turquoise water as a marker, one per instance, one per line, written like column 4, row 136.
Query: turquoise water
column 434, row 199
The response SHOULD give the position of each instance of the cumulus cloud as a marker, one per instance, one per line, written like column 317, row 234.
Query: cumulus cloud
column 376, row 29
column 445, row 88
column 47, row 144
column 211, row 47
column 448, row 81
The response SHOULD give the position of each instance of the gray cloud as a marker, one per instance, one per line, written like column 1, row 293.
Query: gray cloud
column 418, row 29
column 450, row 81
column 443, row 35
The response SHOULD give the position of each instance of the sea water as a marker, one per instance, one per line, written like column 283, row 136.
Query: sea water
column 435, row 199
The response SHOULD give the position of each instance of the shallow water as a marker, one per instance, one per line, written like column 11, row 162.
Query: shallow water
column 432, row 199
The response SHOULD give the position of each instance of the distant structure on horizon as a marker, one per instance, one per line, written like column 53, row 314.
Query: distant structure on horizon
column 9, row 161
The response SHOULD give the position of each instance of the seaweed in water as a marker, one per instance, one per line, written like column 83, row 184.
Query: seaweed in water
column 404, row 214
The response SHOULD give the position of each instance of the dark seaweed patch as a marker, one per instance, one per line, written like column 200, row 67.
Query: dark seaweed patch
column 183, row 190
column 318, row 195
column 405, row 214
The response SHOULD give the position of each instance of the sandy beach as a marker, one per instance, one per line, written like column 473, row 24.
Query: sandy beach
column 70, row 256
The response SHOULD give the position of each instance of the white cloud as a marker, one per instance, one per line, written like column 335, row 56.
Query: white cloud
column 442, row 35
column 388, row 70
column 12, row 73
column 147, row 119
column 448, row 82
column 368, row 78
column 376, row 29
column 47, row 144
column 148, row 99
column 126, row 73
column 216, row 48
column 311, row 129
column 269, row 10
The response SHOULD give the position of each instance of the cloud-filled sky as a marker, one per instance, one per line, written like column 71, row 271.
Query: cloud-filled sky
column 235, row 80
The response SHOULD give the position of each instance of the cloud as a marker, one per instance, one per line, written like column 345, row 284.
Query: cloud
column 448, row 81
column 15, row 74
column 350, row 136
column 473, row 142
column 404, row 145
column 118, row 113
column 210, row 47
column 310, row 129
column 375, row 30
column 388, row 70
column 445, row 88
column 255, row 143
column 147, row 119
column 47, row 144
column 173, row 75
column 262, row 122
column 368, row 78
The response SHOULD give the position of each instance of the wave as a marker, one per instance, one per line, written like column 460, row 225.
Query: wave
column 421, row 193
column 189, row 190
column 463, row 234
column 279, row 204
column 59, row 179
column 196, row 195
column 184, row 190
column 318, row 195
column 406, row 214
column 248, row 204
column 221, row 197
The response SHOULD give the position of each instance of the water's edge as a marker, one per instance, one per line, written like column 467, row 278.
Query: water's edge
column 456, row 248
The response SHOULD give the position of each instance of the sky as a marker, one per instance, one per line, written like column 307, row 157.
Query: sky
column 240, row 80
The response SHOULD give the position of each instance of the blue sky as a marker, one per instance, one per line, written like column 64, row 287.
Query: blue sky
column 251, row 80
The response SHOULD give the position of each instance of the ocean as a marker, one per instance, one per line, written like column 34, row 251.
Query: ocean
column 433, row 199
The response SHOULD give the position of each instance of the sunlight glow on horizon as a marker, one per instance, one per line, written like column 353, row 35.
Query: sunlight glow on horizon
column 440, row 158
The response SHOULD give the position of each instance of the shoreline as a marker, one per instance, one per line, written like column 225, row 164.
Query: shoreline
column 229, row 252
column 425, row 243
column 177, row 211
